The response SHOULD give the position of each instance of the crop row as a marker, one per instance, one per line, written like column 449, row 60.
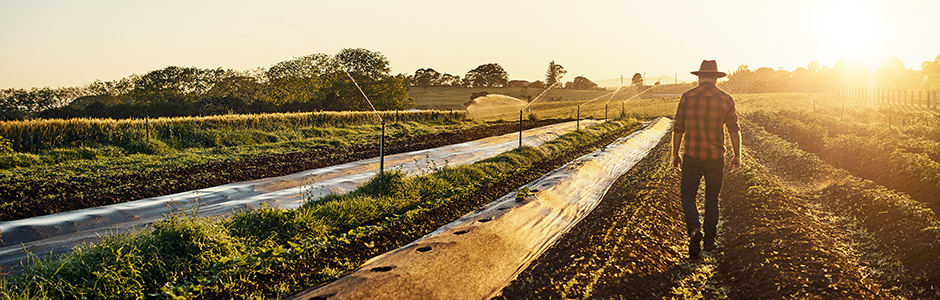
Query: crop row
column 896, row 239
column 43, row 134
column 903, row 157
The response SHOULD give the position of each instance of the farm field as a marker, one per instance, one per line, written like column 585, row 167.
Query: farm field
column 559, row 103
column 797, row 222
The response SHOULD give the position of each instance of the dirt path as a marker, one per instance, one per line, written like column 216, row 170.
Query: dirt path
column 792, row 227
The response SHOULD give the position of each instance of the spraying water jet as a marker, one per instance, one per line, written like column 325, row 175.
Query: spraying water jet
column 527, row 106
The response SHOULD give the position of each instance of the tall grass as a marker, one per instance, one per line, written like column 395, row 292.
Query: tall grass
column 44, row 134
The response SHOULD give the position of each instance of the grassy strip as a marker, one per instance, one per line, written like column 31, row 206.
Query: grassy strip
column 205, row 145
column 44, row 134
column 188, row 257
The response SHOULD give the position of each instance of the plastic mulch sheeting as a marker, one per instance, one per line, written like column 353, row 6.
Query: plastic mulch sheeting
column 59, row 233
column 477, row 255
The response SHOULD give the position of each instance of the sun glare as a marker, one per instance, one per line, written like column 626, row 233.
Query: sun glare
column 850, row 29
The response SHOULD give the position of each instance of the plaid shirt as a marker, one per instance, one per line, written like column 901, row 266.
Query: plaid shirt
column 701, row 114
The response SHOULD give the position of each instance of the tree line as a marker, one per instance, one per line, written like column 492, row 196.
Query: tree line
column 319, row 82
column 316, row 82
column 846, row 72
column 485, row 75
column 493, row 75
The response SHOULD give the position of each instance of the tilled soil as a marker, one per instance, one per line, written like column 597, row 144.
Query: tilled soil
column 630, row 246
column 822, row 235
column 93, row 191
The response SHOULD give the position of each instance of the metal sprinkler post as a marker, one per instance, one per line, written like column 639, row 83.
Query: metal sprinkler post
column 579, row 117
column 377, row 115
column 520, row 128
column 382, row 151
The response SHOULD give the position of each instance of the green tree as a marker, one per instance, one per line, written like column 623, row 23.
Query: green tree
column 487, row 75
column 581, row 83
column 387, row 93
column 370, row 70
column 232, row 93
column 427, row 77
column 364, row 62
column 554, row 73
column 450, row 80
column 175, row 84
column 309, row 66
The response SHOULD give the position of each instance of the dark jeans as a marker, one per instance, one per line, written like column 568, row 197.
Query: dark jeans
column 692, row 172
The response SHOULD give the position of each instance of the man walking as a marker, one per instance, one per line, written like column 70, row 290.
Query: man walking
column 703, row 112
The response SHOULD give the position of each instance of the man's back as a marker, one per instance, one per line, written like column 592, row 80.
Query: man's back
column 701, row 114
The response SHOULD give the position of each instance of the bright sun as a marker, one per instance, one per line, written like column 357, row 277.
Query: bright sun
column 850, row 29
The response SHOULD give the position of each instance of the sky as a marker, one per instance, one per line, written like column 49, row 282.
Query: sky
column 73, row 43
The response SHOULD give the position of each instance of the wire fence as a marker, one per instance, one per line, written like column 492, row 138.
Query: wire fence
column 924, row 98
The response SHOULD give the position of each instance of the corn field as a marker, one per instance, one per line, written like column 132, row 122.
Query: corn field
column 44, row 134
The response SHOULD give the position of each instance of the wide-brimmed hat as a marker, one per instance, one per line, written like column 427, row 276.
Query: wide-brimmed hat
column 709, row 67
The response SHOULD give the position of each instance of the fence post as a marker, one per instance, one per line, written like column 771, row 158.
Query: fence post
column 935, row 100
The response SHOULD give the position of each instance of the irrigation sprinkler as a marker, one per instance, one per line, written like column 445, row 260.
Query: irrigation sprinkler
column 343, row 68
column 382, row 141
column 592, row 100
column 611, row 98
column 527, row 106
column 520, row 128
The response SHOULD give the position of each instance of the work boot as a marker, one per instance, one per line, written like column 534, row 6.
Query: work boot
column 695, row 243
